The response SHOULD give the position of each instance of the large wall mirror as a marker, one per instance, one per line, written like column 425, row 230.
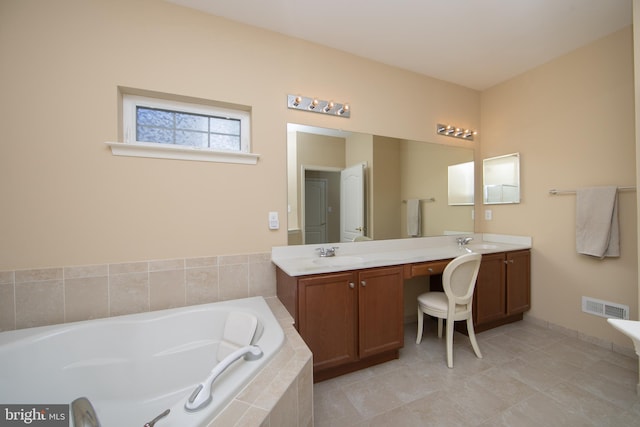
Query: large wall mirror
column 501, row 179
column 345, row 186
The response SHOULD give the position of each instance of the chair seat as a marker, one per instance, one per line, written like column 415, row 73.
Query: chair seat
column 437, row 304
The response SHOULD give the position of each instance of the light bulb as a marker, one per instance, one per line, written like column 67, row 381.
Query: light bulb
column 328, row 107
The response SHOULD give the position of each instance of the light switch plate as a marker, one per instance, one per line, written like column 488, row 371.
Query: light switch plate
column 274, row 222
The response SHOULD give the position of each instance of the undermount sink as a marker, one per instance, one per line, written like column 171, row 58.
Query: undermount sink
column 337, row 261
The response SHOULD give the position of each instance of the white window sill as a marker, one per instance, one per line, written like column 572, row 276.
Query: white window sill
column 160, row 151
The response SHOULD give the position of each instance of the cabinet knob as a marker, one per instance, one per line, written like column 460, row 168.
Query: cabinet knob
column 352, row 285
column 363, row 283
column 430, row 270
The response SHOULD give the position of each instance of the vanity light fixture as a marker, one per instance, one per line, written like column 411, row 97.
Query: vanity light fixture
column 316, row 105
column 456, row 132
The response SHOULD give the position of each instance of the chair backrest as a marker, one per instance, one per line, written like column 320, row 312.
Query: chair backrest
column 459, row 278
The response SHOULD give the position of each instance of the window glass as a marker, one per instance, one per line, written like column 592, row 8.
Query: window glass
column 151, row 120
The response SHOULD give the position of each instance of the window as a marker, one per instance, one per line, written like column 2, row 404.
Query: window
column 163, row 128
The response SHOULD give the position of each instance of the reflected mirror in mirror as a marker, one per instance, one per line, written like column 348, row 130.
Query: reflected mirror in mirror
column 501, row 179
column 346, row 186
column 461, row 184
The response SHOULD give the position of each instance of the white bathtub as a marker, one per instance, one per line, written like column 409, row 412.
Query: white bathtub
column 133, row 367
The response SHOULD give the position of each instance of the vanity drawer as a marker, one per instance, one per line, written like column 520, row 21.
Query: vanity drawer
column 425, row 268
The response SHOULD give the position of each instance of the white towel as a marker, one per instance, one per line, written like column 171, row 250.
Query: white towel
column 597, row 229
column 413, row 217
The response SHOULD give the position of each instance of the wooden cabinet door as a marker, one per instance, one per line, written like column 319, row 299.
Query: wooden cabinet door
column 489, row 296
column 381, row 307
column 518, row 281
column 327, row 313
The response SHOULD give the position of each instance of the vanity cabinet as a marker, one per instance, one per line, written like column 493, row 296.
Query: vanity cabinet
column 503, row 289
column 349, row 320
column 354, row 319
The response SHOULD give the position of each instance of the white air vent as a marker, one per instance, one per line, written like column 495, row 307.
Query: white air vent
column 605, row 308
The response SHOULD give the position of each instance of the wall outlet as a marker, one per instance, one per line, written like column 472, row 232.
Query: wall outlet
column 488, row 215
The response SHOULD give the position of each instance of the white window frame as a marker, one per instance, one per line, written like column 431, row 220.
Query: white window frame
column 131, row 147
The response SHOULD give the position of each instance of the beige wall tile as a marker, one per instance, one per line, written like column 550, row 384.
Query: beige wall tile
column 231, row 415
column 164, row 265
column 262, row 279
column 260, row 257
column 38, row 275
column 86, row 298
column 166, row 289
column 101, row 270
column 128, row 267
column 202, row 285
column 7, row 307
column 255, row 417
column 102, row 290
column 233, row 259
column 128, row 293
column 305, row 395
column 285, row 412
column 7, row 277
column 210, row 261
column 39, row 303
column 234, row 281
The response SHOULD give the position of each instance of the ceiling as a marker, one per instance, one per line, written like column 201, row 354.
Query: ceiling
column 473, row 43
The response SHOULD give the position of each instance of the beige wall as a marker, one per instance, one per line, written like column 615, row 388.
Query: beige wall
column 572, row 120
column 425, row 175
column 385, row 186
column 67, row 201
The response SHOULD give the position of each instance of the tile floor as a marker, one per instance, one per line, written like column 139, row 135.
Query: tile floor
column 530, row 376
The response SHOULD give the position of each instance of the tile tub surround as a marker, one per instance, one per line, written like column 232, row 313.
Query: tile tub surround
column 48, row 296
column 282, row 393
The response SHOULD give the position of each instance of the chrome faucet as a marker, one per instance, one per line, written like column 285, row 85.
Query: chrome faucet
column 83, row 414
column 327, row 252
column 156, row 419
column 463, row 241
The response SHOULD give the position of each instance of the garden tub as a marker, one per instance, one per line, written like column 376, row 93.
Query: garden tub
column 133, row 368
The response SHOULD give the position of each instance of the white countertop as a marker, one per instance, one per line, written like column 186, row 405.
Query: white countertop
column 630, row 328
column 302, row 260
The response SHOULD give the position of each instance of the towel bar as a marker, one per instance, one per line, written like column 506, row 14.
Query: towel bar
column 430, row 199
column 555, row 192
